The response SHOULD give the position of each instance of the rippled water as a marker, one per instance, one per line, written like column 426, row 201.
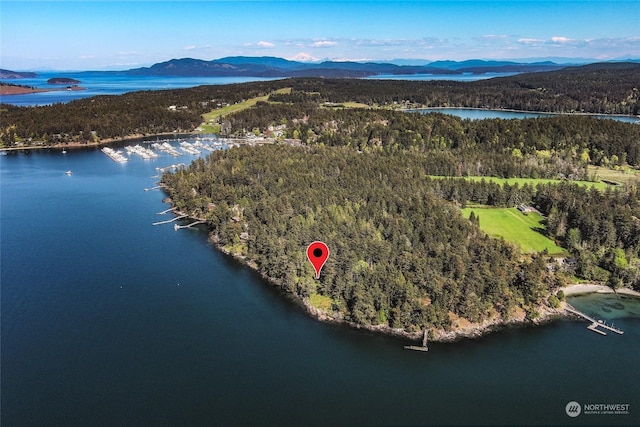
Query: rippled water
column 110, row 321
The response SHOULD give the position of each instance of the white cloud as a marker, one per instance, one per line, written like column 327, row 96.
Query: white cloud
column 324, row 43
column 494, row 37
column 191, row 47
column 266, row 45
column 557, row 39
column 530, row 41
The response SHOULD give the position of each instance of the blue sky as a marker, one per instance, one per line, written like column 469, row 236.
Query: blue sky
column 94, row 35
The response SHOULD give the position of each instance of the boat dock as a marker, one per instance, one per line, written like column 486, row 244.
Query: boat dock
column 419, row 348
column 114, row 155
column 170, row 220
column 595, row 324
column 166, row 211
column 178, row 227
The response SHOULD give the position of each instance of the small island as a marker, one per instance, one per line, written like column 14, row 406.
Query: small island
column 62, row 81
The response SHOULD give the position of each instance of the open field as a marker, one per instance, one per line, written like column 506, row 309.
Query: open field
column 208, row 126
column 515, row 227
column 522, row 181
column 622, row 176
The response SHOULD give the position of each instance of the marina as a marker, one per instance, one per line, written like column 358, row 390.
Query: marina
column 114, row 155
column 179, row 147
column 143, row 152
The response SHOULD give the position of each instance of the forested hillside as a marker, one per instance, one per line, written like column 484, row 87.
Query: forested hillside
column 600, row 88
column 369, row 182
column 402, row 254
column 517, row 147
column 363, row 182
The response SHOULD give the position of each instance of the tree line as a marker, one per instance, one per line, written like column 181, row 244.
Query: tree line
column 570, row 142
column 402, row 256
column 602, row 88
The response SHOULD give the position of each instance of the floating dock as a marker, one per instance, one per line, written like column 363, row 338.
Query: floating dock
column 595, row 324
column 114, row 155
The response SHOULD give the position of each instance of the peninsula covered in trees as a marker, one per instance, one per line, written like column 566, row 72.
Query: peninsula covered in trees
column 355, row 164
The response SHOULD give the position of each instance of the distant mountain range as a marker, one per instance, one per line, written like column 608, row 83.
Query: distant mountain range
column 268, row 66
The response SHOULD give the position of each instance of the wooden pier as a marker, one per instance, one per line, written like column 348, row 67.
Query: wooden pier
column 419, row 348
column 170, row 220
column 165, row 211
column 178, row 227
column 595, row 324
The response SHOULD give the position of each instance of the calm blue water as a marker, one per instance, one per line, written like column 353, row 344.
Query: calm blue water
column 480, row 114
column 107, row 320
column 97, row 83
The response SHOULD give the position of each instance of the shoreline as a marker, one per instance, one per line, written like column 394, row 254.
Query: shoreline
column 461, row 328
column 19, row 90
column 591, row 288
column 106, row 141
column 129, row 138
column 466, row 330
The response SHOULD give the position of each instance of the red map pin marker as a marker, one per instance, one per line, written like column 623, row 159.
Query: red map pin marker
column 318, row 253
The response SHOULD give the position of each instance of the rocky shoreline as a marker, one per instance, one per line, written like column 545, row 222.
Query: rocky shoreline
column 465, row 331
column 462, row 329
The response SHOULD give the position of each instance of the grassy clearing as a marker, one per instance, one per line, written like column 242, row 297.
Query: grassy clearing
column 516, row 227
column 523, row 181
column 320, row 302
column 621, row 176
column 349, row 104
column 209, row 124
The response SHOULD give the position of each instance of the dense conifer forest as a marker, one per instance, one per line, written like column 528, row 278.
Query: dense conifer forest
column 404, row 255
column 597, row 88
column 363, row 181
column 368, row 182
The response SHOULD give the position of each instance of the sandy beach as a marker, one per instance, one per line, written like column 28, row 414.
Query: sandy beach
column 588, row 288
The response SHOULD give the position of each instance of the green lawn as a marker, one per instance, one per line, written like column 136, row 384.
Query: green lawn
column 209, row 118
column 624, row 175
column 521, row 181
column 515, row 227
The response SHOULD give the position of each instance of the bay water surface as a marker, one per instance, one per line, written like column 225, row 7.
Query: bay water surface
column 107, row 320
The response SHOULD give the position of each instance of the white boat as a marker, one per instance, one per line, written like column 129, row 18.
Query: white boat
column 69, row 172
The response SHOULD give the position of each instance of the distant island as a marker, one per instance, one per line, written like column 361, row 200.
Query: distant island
column 62, row 81
column 8, row 74
column 268, row 66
